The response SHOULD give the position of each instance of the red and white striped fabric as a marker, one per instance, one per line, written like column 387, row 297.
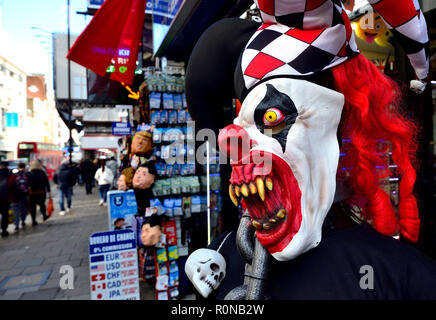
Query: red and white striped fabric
column 407, row 23
column 302, row 37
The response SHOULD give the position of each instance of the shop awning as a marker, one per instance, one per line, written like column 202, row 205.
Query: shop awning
column 192, row 19
column 99, row 142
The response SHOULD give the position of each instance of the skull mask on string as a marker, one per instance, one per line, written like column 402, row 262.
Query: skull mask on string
column 206, row 269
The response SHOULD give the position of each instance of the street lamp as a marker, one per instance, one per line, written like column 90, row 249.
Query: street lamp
column 70, row 111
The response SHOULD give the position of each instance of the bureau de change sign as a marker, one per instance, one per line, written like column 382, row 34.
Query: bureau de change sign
column 113, row 266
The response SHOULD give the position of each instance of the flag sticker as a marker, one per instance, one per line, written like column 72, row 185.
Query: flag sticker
column 97, row 268
column 101, row 286
column 98, row 277
column 99, row 258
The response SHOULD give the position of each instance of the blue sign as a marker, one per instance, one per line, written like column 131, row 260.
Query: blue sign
column 113, row 265
column 11, row 120
column 164, row 12
column 95, row 4
column 121, row 209
column 121, row 129
column 109, row 241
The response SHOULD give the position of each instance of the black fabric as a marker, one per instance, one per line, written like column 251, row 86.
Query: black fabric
column 88, row 170
column 143, row 197
column 153, row 220
column 21, row 185
column 210, row 71
column 65, row 176
column 331, row 271
column 260, row 42
column 4, row 211
column 5, row 186
column 38, row 181
column 34, row 200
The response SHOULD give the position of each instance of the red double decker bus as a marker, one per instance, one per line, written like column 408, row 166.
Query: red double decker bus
column 49, row 154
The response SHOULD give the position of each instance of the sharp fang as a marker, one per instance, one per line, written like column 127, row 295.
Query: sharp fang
column 269, row 183
column 260, row 188
column 238, row 194
column 267, row 226
column 232, row 196
column 252, row 187
column 257, row 225
column 281, row 214
column 244, row 190
column 272, row 220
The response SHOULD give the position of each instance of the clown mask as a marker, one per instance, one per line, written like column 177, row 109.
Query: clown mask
column 284, row 155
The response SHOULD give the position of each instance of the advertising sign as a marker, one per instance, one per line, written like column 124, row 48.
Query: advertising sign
column 113, row 266
column 164, row 12
column 95, row 4
column 121, row 129
column 121, row 209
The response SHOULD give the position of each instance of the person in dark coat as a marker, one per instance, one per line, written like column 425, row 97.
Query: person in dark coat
column 38, row 188
column 21, row 194
column 88, row 171
column 65, row 178
column 6, row 195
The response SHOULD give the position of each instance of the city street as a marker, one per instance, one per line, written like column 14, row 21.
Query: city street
column 31, row 259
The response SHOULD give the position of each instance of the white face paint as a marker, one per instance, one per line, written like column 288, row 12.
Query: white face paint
column 304, row 151
column 206, row 269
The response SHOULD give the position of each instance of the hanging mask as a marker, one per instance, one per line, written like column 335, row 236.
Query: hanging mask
column 206, row 269
column 142, row 143
column 142, row 179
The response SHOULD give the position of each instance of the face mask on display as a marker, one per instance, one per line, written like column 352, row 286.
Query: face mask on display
column 284, row 172
column 142, row 178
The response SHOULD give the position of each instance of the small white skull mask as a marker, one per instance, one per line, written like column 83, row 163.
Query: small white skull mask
column 206, row 269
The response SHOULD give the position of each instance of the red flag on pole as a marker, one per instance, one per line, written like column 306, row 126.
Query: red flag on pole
column 111, row 40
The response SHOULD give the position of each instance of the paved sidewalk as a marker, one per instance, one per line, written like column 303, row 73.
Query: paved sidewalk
column 30, row 259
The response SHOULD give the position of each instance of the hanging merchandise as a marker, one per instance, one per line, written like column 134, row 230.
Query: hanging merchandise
column 112, row 48
column 371, row 28
column 125, row 180
column 163, row 175
column 303, row 85
column 142, row 143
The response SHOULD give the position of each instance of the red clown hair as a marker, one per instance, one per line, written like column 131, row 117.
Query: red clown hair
column 371, row 113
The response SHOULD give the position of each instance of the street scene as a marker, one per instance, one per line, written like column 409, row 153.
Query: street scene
column 33, row 256
column 175, row 150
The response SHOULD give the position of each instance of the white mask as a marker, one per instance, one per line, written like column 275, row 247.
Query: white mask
column 302, row 146
column 206, row 269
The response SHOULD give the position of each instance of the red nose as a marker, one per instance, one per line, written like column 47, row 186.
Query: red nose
column 234, row 142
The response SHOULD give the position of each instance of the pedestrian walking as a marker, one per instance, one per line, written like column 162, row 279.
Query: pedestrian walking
column 65, row 178
column 6, row 196
column 113, row 166
column 21, row 192
column 104, row 177
column 38, row 189
column 88, row 171
column 76, row 170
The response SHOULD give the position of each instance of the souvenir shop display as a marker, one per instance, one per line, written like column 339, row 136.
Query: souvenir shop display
column 172, row 200
column 125, row 181
column 303, row 87
column 142, row 143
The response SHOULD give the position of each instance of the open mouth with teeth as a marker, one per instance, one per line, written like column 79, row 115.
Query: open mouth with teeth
column 272, row 196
